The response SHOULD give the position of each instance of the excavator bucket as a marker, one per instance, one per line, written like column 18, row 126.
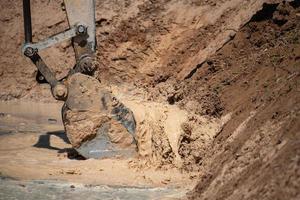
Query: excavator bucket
column 96, row 123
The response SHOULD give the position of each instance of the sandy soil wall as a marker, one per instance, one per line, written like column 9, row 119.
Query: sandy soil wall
column 232, row 62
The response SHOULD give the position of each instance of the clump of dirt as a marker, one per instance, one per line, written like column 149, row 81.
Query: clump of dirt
column 158, row 133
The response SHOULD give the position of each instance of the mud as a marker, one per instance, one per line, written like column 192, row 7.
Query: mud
column 161, row 131
column 43, row 152
column 214, row 87
column 32, row 190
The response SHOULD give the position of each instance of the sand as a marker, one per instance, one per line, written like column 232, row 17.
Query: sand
column 214, row 86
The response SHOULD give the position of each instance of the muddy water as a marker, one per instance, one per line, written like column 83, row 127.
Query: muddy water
column 40, row 189
column 22, row 116
column 34, row 147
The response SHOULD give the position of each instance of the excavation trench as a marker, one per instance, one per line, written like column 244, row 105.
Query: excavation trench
column 214, row 91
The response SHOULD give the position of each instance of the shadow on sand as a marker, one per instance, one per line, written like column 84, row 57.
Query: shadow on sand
column 44, row 142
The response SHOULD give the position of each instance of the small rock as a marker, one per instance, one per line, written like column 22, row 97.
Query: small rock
column 52, row 121
column 70, row 172
column 22, row 185
column 166, row 181
column 232, row 35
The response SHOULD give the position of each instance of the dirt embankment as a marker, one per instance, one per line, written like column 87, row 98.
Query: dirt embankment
column 256, row 156
column 239, row 103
